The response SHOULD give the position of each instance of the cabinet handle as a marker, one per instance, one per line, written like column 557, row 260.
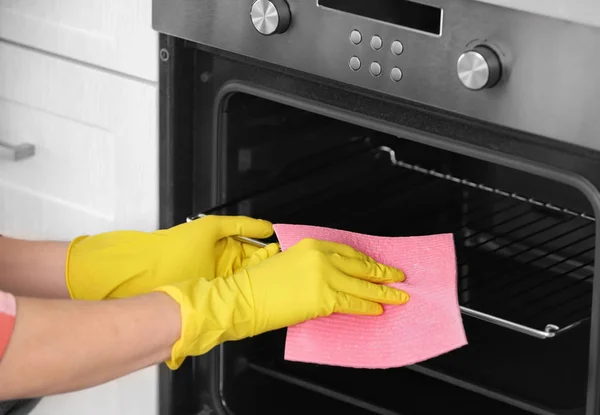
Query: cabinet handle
column 16, row 152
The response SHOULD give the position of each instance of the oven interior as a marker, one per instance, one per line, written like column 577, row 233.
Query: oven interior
column 525, row 248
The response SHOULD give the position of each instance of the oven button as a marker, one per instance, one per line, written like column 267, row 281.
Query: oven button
column 375, row 69
column 270, row 16
column 376, row 42
column 397, row 47
column 479, row 68
column 396, row 74
column 354, row 63
column 355, row 37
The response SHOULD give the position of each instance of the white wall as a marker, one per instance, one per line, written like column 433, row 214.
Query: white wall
column 578, row 11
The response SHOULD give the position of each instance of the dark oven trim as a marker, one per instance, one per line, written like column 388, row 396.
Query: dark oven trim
column 529, row 155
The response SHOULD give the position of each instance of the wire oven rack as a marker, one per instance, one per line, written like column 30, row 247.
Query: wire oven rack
column 541, row 289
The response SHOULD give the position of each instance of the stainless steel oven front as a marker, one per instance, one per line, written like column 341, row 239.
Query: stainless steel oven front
column 456, row 116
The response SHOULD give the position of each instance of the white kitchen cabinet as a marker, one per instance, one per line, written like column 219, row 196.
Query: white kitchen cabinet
column 78, row 81
column 113, row 34
column 96, row 161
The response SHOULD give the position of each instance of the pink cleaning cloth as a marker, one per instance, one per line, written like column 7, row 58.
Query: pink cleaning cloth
column 429, row 325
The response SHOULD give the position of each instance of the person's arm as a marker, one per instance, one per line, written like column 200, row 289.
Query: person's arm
column 123, row 264
column 60, row 345
column 33, row 268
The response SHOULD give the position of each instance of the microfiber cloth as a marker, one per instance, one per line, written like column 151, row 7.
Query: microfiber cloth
column 429, row 325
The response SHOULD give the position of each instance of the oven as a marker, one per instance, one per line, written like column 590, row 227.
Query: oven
column 396, row 118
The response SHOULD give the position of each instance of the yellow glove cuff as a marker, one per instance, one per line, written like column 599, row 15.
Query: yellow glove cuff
column 212, row 312
column 68, row 263
column 178, row 353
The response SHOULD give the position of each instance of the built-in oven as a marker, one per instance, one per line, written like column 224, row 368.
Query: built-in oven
column 397, row 118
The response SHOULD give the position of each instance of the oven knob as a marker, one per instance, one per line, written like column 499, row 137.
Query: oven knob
column 479, row 68
column 270, row 16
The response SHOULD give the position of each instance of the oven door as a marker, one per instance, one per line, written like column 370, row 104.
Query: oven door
column 243, row 137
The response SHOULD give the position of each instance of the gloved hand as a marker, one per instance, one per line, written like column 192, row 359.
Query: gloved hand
column 311, row 279
column 128, row 263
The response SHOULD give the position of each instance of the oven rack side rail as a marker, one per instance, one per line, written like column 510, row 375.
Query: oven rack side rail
column 550, row 330
column 399, row 163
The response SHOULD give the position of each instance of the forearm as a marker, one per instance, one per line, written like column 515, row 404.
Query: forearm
column 33, row 268
column 59, row 346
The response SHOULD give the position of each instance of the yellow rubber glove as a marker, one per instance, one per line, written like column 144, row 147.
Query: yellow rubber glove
column 311, row 279
column 128, row 263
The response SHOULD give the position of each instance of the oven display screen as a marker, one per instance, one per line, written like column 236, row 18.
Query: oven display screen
column 416, row 16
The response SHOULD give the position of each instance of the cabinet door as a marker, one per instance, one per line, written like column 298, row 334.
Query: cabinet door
column 114, row 34
column 96, row 161
column 95, row 169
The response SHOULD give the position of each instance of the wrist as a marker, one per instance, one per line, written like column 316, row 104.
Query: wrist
column 33, row 268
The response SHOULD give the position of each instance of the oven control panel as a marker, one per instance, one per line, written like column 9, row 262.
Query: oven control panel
column 498, row 64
